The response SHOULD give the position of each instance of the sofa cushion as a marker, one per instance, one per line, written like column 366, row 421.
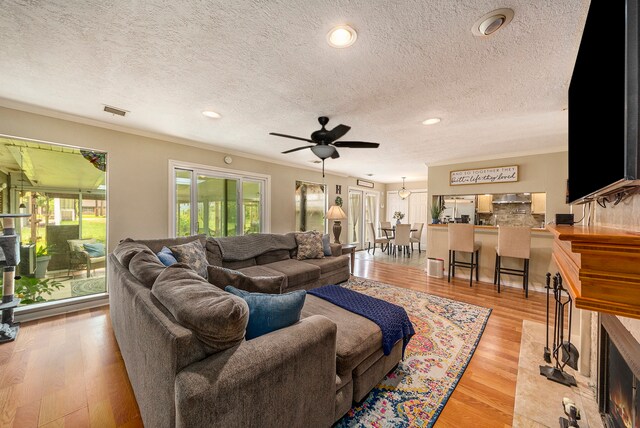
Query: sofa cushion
column 329, row 264
column 357, row 337
column 239, row 264
column 126, row 249
column 297, row 272
column 217, row 318
column 156, row 245
column 326, row 245
column 214, row 256
column 166, row 257
column 272, row 256
column 309, row 245
column 94, row 249
column 271, row 284
column 146, row 267
column 192, row 254
column 261, row 270
column 78, row 244
column 270, row 312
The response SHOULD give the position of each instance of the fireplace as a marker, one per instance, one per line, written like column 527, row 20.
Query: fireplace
column 618, row 375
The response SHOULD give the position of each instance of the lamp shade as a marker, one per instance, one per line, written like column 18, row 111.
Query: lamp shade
column 336, row 213
column 404, row 193
column 323, row 151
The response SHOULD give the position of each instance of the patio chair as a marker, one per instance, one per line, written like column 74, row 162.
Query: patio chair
column 79, row 257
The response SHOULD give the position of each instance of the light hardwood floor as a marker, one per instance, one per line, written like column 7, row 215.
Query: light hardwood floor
column 67, row 371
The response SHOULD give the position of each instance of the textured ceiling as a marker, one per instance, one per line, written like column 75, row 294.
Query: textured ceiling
column 266, row 67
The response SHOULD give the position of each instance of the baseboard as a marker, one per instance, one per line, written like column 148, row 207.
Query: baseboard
column 49, row 309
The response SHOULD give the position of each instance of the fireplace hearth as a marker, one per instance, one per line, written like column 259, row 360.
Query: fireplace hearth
column 618, row 375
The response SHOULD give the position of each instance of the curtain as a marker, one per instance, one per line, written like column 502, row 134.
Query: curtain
column 354, row 212
column 369, row 215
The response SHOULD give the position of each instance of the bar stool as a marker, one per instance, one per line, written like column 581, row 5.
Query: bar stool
column 513, row 242
column 462, row 239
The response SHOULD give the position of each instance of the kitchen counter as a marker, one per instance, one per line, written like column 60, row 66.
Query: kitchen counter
column 487, row 228
column 540, row 262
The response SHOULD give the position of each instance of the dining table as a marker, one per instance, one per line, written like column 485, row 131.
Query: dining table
column 392, row 231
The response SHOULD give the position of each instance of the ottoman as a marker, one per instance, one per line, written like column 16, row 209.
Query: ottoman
column 360, row 360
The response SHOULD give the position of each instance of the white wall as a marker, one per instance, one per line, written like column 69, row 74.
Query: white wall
column 138, row 168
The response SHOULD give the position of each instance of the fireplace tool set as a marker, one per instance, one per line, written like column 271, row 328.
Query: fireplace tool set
column 9, row 259
column 563, row 352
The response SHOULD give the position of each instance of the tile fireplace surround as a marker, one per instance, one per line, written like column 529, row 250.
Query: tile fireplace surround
column 538, row 401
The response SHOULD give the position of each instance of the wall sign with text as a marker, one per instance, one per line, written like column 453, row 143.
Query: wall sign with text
column 365, row 183
column 501, row 174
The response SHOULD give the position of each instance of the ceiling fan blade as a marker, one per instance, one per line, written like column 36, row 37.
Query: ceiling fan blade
column 335, row 155
column 336, row 133
column 290, row 136
column 297, row 148
column 356, row 144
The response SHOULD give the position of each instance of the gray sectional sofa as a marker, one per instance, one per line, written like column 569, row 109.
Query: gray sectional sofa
column 182, row 339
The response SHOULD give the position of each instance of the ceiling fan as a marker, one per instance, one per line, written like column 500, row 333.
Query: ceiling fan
column 325, row 141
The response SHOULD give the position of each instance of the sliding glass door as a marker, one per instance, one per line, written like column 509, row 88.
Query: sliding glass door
column 363, row 209
column 216, row 203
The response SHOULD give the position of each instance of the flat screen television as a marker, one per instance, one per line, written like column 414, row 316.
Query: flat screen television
column 603, row 101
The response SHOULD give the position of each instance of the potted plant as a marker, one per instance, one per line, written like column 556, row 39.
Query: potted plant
column 43, row 256
column 31, row 290
column 436, row 211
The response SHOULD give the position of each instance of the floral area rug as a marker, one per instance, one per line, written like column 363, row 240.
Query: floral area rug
column 414, row 394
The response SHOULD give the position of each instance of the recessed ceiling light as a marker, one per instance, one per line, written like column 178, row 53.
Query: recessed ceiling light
column 431, row 121
column 341, row 36
column 492, row 22
column 212, row 114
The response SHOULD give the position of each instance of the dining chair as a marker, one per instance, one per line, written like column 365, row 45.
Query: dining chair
column 382, row 241
column 416, row 235
column 513, row 242
column 389, row 229
column 402, row 238
column 462, row 239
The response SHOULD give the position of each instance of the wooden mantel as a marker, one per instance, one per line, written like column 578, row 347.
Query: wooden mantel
column 600, row 266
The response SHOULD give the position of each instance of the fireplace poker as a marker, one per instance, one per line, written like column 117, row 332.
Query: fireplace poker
column 547, row 351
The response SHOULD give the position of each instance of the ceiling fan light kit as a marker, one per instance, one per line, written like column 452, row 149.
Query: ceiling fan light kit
column 323, row 152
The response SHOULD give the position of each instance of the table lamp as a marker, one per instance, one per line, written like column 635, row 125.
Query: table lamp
column 336, row 214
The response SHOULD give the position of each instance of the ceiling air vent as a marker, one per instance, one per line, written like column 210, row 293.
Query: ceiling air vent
column 115, row 110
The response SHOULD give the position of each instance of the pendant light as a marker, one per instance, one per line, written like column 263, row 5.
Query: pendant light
column 22, row 206
column 403, row 193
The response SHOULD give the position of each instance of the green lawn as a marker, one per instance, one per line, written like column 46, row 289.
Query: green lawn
column 92, row 227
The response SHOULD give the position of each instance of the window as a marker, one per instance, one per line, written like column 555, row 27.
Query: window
column 217, row 202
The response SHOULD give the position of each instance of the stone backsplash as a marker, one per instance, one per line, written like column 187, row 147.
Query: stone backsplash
column 512, row 215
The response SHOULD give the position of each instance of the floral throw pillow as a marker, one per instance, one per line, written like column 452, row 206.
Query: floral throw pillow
column 309, row 245
column 192, row 254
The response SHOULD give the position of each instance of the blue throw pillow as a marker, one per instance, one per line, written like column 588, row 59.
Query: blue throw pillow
column 166, row 257
column 326, row 247
column 94, row 250
column 269, row 312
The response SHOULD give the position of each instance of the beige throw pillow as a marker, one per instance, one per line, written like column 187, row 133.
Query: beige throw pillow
column 192, row 254
column 309, row 245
